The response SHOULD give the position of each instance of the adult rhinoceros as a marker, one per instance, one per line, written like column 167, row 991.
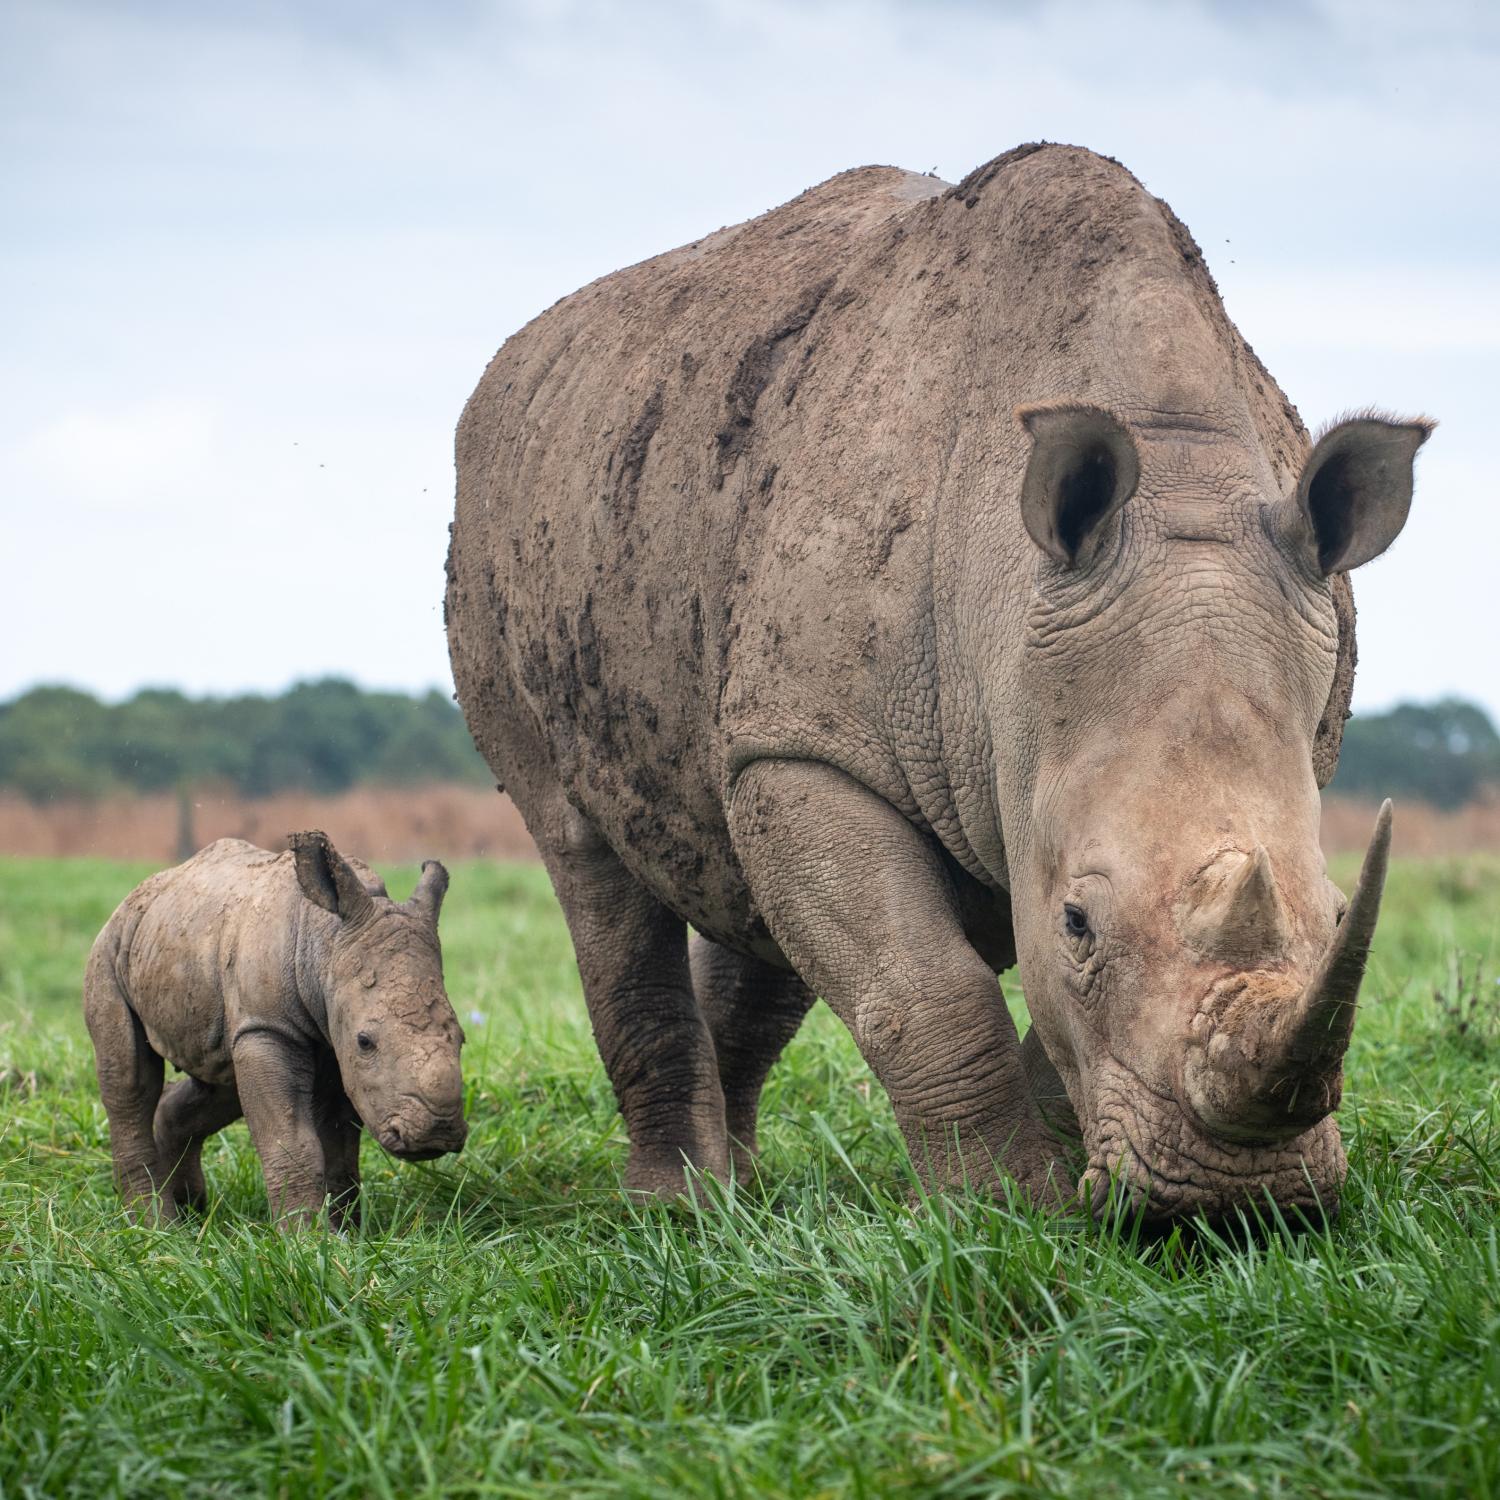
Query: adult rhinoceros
column 912, row 580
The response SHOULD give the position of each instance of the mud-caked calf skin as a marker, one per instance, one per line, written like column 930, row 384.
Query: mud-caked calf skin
column 288, row 988
column 911, row 581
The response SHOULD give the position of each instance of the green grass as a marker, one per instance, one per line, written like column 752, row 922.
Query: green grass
column 508, row 1325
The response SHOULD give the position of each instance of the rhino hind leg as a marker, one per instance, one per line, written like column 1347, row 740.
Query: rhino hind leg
column 189, row 1112
column 130, row 1081
column 859, row 900
column 753, row 1010
column 652, row 1037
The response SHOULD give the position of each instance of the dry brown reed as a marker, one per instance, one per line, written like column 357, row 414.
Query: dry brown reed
column 378, row 823
column 462, row 822
column 1419, row 830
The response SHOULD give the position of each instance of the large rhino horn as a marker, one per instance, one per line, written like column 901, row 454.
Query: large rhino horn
column 1319, row 1033
column 1270, row 1066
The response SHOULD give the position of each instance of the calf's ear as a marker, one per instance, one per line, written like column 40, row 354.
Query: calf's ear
column 1355, row 490
column 326, row 877
column 427, row 899
column 1083, row 468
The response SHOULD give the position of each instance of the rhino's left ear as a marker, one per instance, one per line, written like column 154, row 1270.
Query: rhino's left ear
column 1355, row 490
column 1083, row 468
column 326, row 877
column 427, row 899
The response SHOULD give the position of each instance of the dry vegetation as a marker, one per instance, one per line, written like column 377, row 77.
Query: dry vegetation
column 466, row 822
column 1421, row 831
column 383, row 824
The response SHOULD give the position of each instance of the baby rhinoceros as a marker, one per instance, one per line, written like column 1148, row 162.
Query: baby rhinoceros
column 291, row 989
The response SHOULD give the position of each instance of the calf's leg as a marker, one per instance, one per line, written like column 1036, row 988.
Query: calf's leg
column 858, row 899
column 275, row 1077
column 190, row 1111
column 130, row 1079
column 753, row 1010
column 338, row 1133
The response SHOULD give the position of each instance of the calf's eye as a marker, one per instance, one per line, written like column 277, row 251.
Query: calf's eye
column 365, row 1042
column 1075, row 920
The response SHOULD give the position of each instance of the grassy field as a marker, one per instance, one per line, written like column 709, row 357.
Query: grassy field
column 508, row 1325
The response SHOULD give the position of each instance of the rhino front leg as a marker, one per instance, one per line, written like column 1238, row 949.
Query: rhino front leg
column 275, row 1077
column 858, row 900
column 753, row 1011
column 1047, row 1088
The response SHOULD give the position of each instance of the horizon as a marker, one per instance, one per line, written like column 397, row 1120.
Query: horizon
column 445, row 691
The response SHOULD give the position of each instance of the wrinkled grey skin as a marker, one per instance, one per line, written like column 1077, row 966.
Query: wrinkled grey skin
column 911, row 581
column 290, row 989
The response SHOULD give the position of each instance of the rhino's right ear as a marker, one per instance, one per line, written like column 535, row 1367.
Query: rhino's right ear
column 326, row 878
column 1083, row 468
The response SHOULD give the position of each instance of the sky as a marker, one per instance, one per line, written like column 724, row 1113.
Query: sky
column 254, row 257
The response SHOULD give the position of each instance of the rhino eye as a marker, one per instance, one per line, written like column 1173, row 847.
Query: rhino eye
column 365, row 1042
column 1075, row 920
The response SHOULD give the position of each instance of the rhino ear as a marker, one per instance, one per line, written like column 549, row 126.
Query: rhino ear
column 427, row 899
column 1355, row 490
column 1083, row 468
column 326, row 878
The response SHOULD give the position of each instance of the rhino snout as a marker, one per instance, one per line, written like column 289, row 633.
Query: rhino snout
column 418, row 1133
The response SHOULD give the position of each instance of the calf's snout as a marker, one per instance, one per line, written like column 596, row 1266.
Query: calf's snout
column 415, row 1131
column 423, row 1142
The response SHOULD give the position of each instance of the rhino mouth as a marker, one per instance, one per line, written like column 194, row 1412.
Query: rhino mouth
column 1151, row 1159
column 424, row 1140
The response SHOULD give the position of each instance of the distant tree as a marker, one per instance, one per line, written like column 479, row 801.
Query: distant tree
column 320, row 736
column 1444, row 753
column 49, row 741
column 422, row 746
column 150, row 741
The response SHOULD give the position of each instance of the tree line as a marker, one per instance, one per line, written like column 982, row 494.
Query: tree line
column 1446, row 753
column 317, row 736
column 330, row 735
